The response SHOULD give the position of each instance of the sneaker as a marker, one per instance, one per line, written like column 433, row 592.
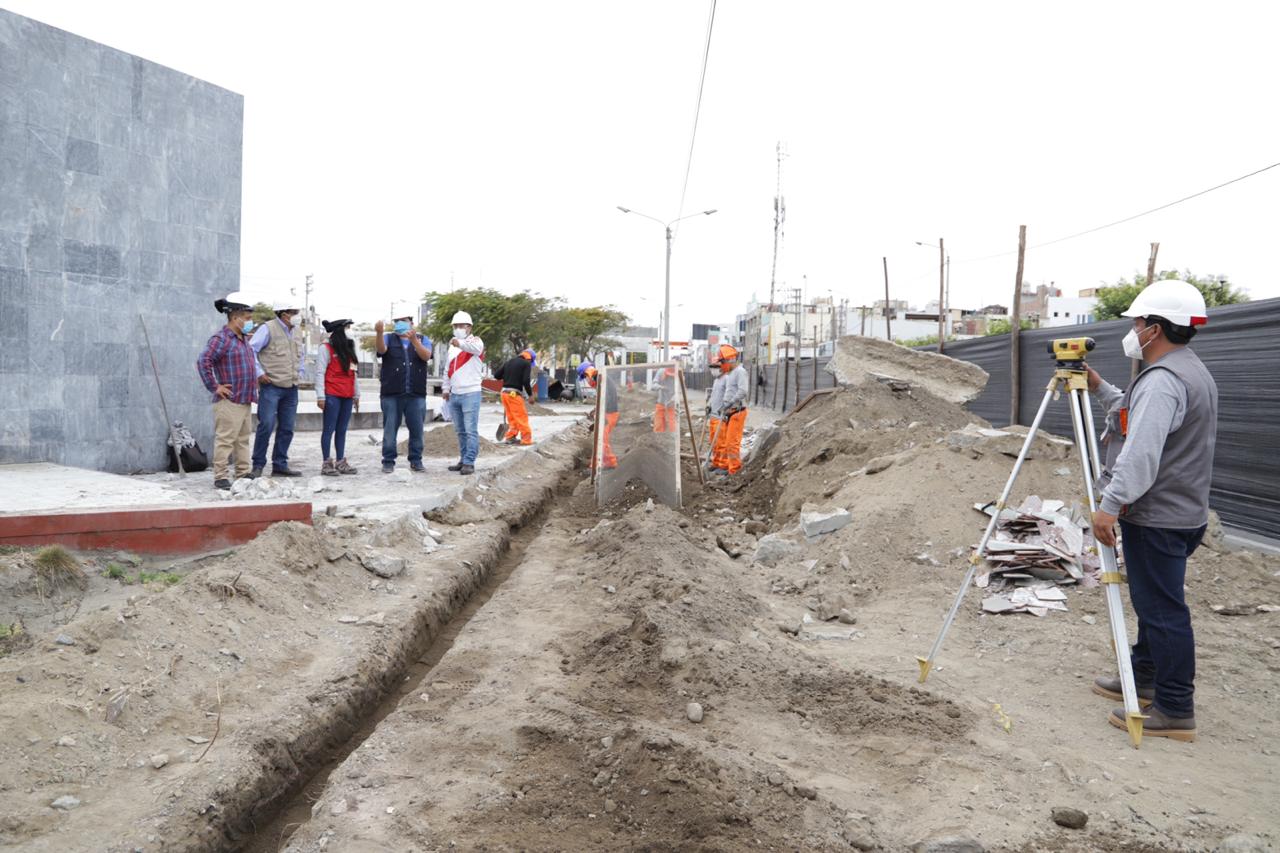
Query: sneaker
column 328, row 469
column 1110, row 688
column 1157, row 724
column 344, row 467
column 388, row 467
column 515, row 439
column 222, row 484
column 285, row 472
column 254, row 474
column 457, row 466
column 417, row 467
column 467, row 469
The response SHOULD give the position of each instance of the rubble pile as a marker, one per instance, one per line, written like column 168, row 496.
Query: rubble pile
column 1036, row 549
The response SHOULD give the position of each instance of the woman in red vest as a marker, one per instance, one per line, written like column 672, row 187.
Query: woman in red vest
column 337, row 394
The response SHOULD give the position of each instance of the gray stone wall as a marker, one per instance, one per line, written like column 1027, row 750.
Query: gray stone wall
column 119, row 198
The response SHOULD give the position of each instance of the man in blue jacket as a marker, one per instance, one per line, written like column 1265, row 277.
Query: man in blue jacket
column 405, row 357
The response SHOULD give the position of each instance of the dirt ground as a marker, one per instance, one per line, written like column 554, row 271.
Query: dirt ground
column 656, row 679
column 559, row 719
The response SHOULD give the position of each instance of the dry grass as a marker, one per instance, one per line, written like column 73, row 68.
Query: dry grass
column 56, row 570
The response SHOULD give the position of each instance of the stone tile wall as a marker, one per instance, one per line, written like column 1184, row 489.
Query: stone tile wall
column 119, row 200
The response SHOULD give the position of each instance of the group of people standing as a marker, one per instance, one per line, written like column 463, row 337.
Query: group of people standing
column 244, row 363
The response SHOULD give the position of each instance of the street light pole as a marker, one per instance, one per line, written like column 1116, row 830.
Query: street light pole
column 666, row 300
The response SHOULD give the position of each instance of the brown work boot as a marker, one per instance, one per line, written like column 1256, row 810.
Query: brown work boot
column 1110, row 687
column 344, row 467
column 1157, row 724
column 328, row 469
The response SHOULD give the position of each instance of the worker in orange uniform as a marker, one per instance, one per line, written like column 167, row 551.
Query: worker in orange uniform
column 588, row 373
column 728, row 449
column 715, row 409
column 517, row 386
column 664, row 411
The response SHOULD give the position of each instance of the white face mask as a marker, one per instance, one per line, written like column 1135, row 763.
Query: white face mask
column 1133, row 345
column 459, row 331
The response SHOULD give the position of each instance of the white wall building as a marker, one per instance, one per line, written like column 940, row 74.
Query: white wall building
column 1069, row 311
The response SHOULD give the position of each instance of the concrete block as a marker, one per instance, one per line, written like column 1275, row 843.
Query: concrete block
column 80, row 258
column 82, row 155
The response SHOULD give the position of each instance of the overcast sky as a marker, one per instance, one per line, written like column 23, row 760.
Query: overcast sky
column 392, row 149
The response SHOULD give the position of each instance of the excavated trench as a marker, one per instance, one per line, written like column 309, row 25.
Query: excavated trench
column 295, row 811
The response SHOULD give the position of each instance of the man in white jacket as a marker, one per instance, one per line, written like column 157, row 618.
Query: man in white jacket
column 464, row 370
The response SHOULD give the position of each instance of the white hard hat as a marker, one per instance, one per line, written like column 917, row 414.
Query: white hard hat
column 277, row 307
column 1180, row 303
column 462, row 318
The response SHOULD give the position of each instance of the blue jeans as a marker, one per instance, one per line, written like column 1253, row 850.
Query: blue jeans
column 413, row 411
column 465, row 409
column 1155, row 560
column 337, row 415
column 277, row 411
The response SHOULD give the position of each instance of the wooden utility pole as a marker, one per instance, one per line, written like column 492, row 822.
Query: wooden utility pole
column 1015, row 329
column 1151, row 276
column 786, row 376
column 862, row 316
column 942, row 293
column 888, row 330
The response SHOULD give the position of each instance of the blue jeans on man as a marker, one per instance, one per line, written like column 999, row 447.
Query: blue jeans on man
column 1165, row 655
column 277, row 412
column 412, row 409
column 464, row 410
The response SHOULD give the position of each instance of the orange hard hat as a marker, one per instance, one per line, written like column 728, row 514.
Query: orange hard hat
column 728, row 353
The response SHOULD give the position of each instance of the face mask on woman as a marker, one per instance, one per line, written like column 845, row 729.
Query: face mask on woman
column 402, row 327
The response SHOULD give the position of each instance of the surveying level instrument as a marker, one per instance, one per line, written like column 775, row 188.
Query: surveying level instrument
column 1071, row 374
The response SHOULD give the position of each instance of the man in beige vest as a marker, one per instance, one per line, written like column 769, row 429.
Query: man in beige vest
column 280, row 368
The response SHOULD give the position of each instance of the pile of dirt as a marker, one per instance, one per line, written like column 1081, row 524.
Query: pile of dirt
column 538, row 410
column 860, row 360
column 442, row 442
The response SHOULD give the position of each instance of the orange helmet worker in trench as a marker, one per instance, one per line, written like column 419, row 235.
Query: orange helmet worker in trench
column 727, row 453
column 588, row 373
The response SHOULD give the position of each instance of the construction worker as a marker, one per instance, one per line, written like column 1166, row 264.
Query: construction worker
column 461, row 387
column 588, row 373
column 281, row 366
column 715, row 409
column 1159, row 441
column 517, row 386
column 227, row 368
column 727, row 455
column 664, row 411
column 403, row 393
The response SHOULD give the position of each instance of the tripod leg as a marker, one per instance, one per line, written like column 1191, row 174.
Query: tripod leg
column 927, row 663
column 1086, row 440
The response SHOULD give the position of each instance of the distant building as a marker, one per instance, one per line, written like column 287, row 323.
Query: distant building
column 1069, row 311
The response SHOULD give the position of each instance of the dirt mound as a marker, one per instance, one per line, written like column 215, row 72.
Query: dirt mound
column 288, row 545
column 538, row 410
column 442, row 441
column 860, row 360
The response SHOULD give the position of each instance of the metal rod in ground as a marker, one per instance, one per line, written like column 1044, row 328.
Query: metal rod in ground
column 155, row 371
column 1082, row 420
column 926, row 664
column 693, row 433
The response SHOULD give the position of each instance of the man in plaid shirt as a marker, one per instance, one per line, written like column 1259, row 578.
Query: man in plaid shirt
column 227, row 367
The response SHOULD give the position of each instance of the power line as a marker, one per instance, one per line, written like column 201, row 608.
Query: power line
column 697, row 110
column 1127, row 218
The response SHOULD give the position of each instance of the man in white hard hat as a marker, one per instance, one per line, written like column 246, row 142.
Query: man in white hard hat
column 1159, row 463
column 281, row 365
column 464, row 372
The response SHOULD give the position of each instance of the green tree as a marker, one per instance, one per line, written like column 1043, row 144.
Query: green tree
column 578, row 330
column 504, row 323
column 262, row 313
column 1115, row 299
column 1004, row 327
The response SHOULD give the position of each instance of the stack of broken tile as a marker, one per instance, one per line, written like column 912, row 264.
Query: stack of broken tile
column 1034, row 551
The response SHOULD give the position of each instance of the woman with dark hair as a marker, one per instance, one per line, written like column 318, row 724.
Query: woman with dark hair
column 337, row 394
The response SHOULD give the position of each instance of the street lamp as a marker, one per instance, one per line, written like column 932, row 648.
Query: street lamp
column 666, row 313
column 944, row 279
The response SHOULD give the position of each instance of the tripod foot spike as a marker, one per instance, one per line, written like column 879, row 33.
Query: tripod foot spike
column 925, row 666
column 1134, row 724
